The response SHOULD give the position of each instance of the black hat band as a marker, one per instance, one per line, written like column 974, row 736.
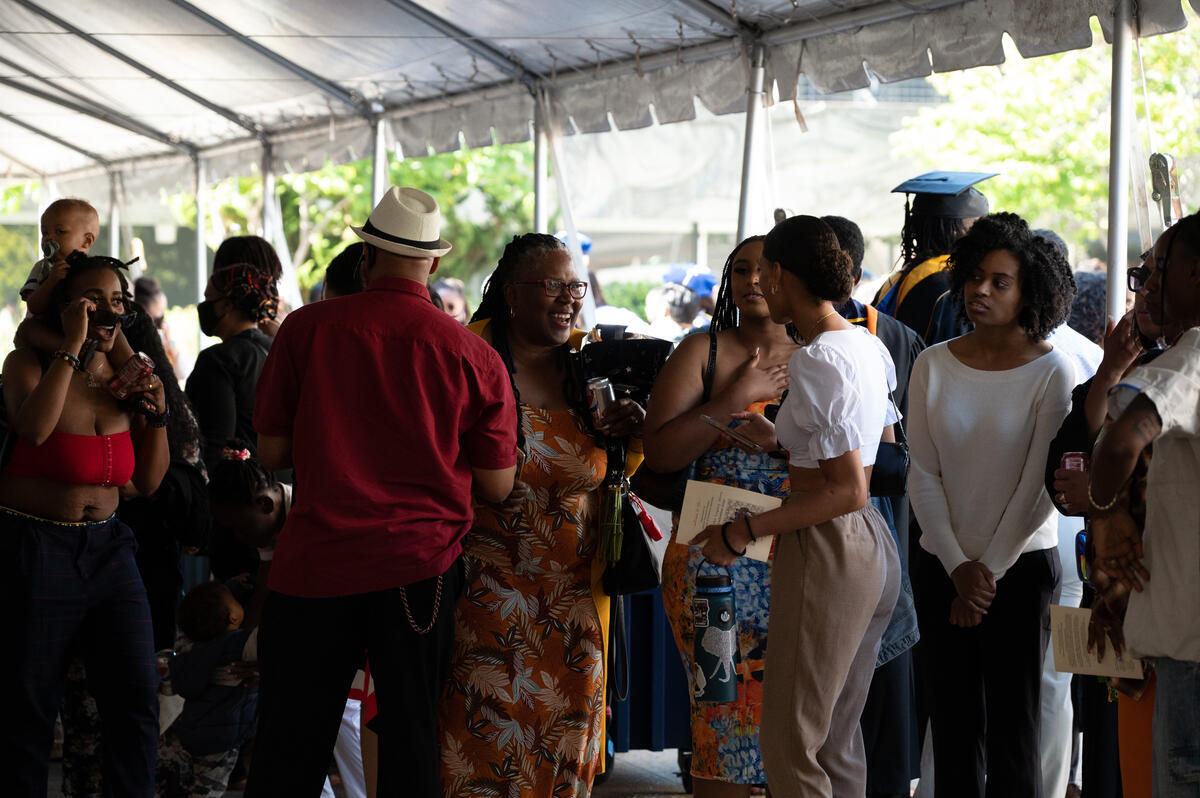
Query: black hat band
column 371, row 229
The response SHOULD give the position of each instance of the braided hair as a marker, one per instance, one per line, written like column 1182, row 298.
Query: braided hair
column 925, row 237
column 238, row 477
column 250, row 290
column 725, row 312
column 253, row 250
column 493, row 306
column 1186, row 232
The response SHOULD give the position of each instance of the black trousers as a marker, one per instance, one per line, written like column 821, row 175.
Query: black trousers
column 889, row 727
column 987, row 678
column 69, row 588
column 309, row 650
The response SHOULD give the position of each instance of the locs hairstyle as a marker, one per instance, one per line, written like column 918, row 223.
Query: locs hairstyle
column 493, row 306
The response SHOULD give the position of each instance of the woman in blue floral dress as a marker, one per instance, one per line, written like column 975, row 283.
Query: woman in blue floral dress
column 749, row 355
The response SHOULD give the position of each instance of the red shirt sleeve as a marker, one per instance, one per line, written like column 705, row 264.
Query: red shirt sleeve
column 491, row 442
column 278, row 390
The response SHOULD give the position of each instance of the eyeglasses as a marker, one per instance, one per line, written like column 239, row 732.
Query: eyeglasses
column 1137, row 277
column 555, row 288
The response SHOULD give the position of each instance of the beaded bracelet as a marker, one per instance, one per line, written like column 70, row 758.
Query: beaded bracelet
column 1102, row 507
column 69, row 358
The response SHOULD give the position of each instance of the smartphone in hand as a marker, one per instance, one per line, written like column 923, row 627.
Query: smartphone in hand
column 732, row 433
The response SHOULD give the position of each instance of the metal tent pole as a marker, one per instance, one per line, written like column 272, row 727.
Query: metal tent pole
column 114, row 216
column 754, row 107
column 1118, row 157
column 541, row 203
column 267, row 169
column 201, row 224
column 379, row 163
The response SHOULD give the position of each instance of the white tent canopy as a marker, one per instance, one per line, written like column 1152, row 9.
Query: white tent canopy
column 93, row 88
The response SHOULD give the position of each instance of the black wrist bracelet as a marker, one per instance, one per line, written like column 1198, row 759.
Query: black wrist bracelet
column 153, row 418
column 750, row 529
column 725, row 540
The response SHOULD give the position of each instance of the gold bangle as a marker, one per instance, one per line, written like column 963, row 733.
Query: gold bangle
column 1102, row 507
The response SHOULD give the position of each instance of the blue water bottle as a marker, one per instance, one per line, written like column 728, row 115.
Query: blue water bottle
column 714, row 653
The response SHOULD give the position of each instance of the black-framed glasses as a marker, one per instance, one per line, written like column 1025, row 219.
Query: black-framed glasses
column 554, row 288
column 1137, row 277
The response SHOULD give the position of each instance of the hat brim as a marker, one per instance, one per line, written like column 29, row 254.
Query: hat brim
column 443, row 246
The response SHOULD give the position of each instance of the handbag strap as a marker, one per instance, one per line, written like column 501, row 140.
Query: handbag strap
column 619, row 648
column 903, row 439
column 707, row 376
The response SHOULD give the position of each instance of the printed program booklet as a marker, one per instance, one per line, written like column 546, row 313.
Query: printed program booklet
column 705, row 503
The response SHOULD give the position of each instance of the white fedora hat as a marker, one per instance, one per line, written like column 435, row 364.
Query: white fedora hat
column 407, row 222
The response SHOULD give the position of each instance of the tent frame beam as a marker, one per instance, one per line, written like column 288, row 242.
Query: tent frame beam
column 109, row 117
column 471, row 43
column 39, row 174
column 328, row 87
column 848, row 20
column 12, row 120
column 720, row 16
column 240, row 120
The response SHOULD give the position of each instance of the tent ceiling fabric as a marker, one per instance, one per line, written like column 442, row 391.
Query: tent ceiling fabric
column 446, row 72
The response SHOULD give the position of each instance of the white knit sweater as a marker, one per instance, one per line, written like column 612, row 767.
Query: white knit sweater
column 979, row 441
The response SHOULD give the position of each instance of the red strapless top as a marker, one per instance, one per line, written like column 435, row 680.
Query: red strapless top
column 76, row 459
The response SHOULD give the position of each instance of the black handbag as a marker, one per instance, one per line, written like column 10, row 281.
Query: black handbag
column 638, row 568
column 665, row 490
column 889, row 477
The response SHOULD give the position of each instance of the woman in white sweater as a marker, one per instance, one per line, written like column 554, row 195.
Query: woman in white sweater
column 982, row 411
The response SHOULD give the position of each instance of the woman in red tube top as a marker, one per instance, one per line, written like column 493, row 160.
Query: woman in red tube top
column 68, row 581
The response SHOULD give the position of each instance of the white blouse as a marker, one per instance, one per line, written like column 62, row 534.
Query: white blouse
column 838, row 387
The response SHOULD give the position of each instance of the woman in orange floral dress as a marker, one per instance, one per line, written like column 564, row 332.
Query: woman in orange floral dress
column 523, row 711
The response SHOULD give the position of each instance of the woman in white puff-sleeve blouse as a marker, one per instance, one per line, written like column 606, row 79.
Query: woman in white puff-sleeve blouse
column 836, row 572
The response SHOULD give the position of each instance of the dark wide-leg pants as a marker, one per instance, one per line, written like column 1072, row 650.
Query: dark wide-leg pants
column 309, row 650
column 71, row 587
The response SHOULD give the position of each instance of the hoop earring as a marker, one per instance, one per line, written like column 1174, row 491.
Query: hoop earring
column 512, row 314
column 774, row 288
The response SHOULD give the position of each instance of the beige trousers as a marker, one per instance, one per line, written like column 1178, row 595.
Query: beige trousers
column 833, row 587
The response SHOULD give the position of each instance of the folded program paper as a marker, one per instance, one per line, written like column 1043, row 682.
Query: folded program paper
column 706, row 503
column 1068, row 639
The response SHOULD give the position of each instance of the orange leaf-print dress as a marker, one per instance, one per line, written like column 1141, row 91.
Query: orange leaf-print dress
column 523, row 710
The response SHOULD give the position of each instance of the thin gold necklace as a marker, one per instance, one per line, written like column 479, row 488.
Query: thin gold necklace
column 808, row 338
column 93, row 381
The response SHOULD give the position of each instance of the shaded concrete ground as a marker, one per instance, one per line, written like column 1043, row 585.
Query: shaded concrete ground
column 638, row 774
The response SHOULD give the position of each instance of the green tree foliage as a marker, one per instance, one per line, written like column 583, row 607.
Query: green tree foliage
column 485, row 195
column 630, row 295
column 1043, row 124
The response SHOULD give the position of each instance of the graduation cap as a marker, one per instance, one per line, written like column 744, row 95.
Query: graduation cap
column 946, row 194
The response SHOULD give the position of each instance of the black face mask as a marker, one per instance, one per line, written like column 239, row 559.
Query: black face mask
column 206, row 311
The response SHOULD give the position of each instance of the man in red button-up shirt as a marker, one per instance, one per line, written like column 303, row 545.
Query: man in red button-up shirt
column 393, row 416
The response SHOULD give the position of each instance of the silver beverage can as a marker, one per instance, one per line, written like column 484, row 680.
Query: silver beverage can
column 601, row 397
column 162, row 659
